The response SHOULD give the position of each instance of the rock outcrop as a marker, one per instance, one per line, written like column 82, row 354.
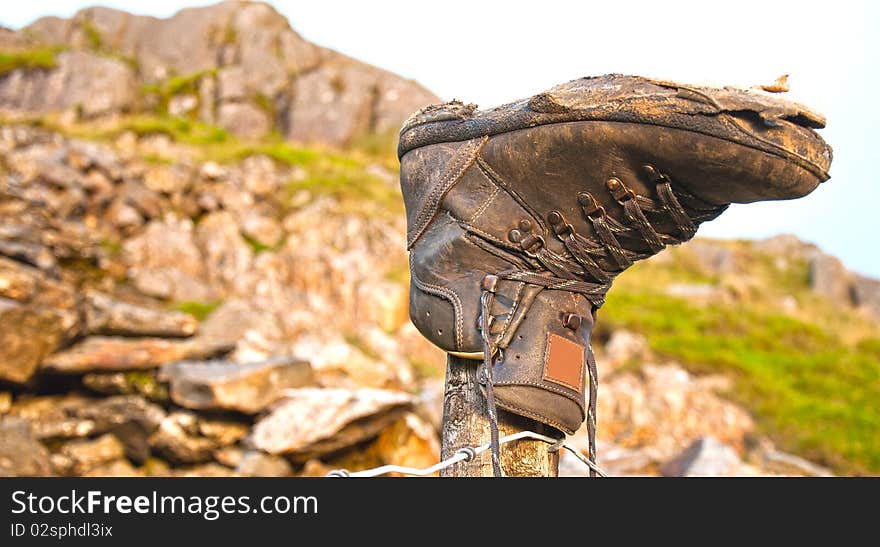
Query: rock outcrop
column 83, row 82
column 102, row 277
column 170, row 310
column 238, row 65
column 194, row 318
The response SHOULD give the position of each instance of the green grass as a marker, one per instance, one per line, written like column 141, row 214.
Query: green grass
column 175, row 85
column 186, row 83
column 870, row 347
column 356, row 191
column 33, row 59
column 96, row 41
column 342, row 174
column 199, row 310
column 178, row 129
column 809, row 390
column 279, row 151
column 255, row 245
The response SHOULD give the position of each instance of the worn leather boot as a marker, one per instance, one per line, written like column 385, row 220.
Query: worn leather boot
column 520, row 217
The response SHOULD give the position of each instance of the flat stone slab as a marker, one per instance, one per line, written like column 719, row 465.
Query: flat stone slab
column 71, row 416
column 107, row 315
column 311, row 422
column 102, row 353
column 227, row 385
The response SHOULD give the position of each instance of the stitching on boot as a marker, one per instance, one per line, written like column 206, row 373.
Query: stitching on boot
column 493, row 175
column 482, row 208
column 519, row 289
column 460, row 162
column 485, row 235
column 544, row 386
column 445, row 293
column 534, row 415
column 510, row 258
column 547, row 376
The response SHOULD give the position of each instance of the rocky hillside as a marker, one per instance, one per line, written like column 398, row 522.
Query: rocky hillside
column 237, row 65
column 154, row 311
column 185, row 290
column 166, row 313
column 801, row 359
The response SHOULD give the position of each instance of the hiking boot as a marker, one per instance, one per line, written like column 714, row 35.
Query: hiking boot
column 520, row 217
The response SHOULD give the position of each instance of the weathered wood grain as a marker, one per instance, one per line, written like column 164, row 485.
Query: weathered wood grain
column 466, row 423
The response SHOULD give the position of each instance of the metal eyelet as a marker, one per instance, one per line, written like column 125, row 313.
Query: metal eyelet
column 555, row 217
column 560, row 227
column 531, row 243
column 571, row 321
column 654, row 174
column 489, row 283
column 590, row 206
column 619, row 190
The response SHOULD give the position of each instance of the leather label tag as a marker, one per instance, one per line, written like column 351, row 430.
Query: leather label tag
column 564, row 363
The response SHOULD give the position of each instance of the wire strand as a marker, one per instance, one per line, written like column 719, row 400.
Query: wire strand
column 468, row 453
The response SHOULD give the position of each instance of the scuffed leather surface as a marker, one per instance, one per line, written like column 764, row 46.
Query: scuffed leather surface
column 518, row 374
column 429, row 177
column 744, row 116
column 721, row 147
column 444, row 262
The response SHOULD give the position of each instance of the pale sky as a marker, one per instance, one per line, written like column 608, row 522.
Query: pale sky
column 494, row 52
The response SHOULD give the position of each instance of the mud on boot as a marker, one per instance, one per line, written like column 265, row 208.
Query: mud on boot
column 520, row 217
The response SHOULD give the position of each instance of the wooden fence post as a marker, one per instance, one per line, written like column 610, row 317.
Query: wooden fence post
column 466, row 423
